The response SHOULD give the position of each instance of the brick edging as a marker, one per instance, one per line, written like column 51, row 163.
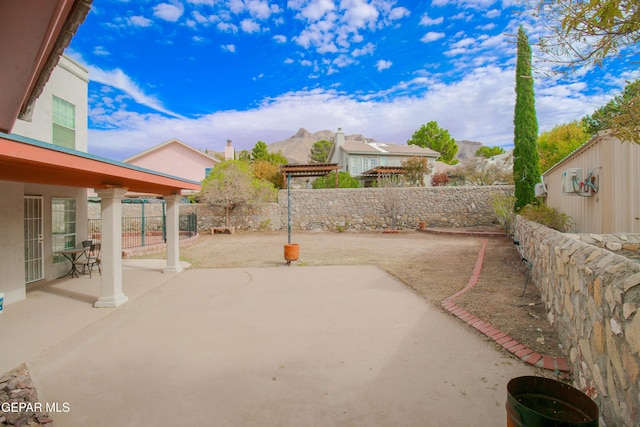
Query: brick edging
column 521, row 351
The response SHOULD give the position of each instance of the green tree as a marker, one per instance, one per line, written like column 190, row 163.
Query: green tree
column 438, row 139
column 320, row 151
column 260, row 151
column 345, row 180
column 231, row 184
column 621, row 115
column 587, row 32
column 416, row 169
column 268, row 171
column 488, row 152
column 526, row 163
column 559, row 142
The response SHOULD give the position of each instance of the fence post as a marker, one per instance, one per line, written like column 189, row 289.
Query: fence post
column 144, row 228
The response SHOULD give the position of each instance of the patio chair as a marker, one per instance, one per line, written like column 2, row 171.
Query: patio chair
column 91, row 259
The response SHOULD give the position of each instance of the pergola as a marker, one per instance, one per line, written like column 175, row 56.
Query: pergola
column 307, row 170
column 380, row 172
column 303, row 170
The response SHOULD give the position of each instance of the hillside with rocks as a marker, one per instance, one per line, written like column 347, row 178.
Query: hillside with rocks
column 297, row 147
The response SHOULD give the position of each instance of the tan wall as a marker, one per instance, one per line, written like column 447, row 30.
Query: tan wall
column 616, row 206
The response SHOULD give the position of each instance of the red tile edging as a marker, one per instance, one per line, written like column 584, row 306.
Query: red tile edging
column 521, row 351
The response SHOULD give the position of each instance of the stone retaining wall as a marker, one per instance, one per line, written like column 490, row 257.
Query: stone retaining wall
column 592, row 295
column 348, row 209
column 383, row 208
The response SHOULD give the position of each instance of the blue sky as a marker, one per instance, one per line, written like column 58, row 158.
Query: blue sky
column 205, row 71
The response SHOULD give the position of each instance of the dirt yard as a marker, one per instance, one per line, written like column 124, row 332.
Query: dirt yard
column 435, row 266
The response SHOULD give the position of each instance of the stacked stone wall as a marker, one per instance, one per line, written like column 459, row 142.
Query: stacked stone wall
column 383, row 208
column 592, row 295
column 355, row 209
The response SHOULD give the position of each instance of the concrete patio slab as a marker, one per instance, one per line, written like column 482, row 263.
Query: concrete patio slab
column 286, row 346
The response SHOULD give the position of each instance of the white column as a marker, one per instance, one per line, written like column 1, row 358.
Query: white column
column 173, row 234
column 111, row 252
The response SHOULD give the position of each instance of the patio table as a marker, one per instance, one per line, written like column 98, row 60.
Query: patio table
column 73, row 254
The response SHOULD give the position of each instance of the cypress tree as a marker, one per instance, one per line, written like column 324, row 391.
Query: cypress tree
column 526, row 160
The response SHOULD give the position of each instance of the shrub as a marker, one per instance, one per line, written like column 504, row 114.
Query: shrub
column 503, row 208
column 439, row 179
column 549, row 217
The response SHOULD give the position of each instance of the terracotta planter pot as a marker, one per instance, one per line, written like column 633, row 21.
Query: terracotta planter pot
column 422, row 224
column 291, row 252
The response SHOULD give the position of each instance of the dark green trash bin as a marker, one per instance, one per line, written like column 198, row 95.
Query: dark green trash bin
column 542, row 402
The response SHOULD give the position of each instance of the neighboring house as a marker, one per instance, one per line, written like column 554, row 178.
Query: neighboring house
column 45, row 172
column 176, row 158
column 598, row 185
column 359, row 157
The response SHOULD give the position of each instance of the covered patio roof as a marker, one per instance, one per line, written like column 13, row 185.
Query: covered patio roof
column 27, row 160
column 384, row 171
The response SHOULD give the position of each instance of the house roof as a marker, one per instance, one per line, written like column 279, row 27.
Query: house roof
column 385, row 148
column 27, row 160
column 173, row 141
column 34, row 35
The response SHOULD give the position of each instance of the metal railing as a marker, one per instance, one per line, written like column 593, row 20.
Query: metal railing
column 145, row 231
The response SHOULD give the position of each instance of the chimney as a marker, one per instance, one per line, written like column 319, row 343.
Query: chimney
column 229, row 152
column 339, row 138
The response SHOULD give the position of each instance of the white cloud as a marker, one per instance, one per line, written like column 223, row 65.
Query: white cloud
column 343, row 61
column 478, row 106
column 168, row 12
column 493, row 13
column 140, row 21
column 316, row 9
column 228, row 47
column 101, row 51
column 289, row 61
column 279, row 38
column 227, row 27
column 118, row 79
column 431, row 37
column 399, row 13
column 427, row 21
column 383, row 64
column 260, row 9
column 367, row 49
column 249, row 26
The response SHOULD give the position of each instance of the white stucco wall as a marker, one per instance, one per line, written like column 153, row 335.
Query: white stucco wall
column 69, row 81
column 12, row 261
column 11, row 241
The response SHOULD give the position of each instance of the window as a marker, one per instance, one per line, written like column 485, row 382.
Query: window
column 369, row 163
column 63, row 219
column 64, row 123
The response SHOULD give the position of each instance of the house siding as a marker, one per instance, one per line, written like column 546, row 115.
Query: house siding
column 176, row 160
column 68, row 81
column 616, row 206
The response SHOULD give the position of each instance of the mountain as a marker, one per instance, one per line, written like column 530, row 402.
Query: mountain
column 467, row 149
column 297, row 148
